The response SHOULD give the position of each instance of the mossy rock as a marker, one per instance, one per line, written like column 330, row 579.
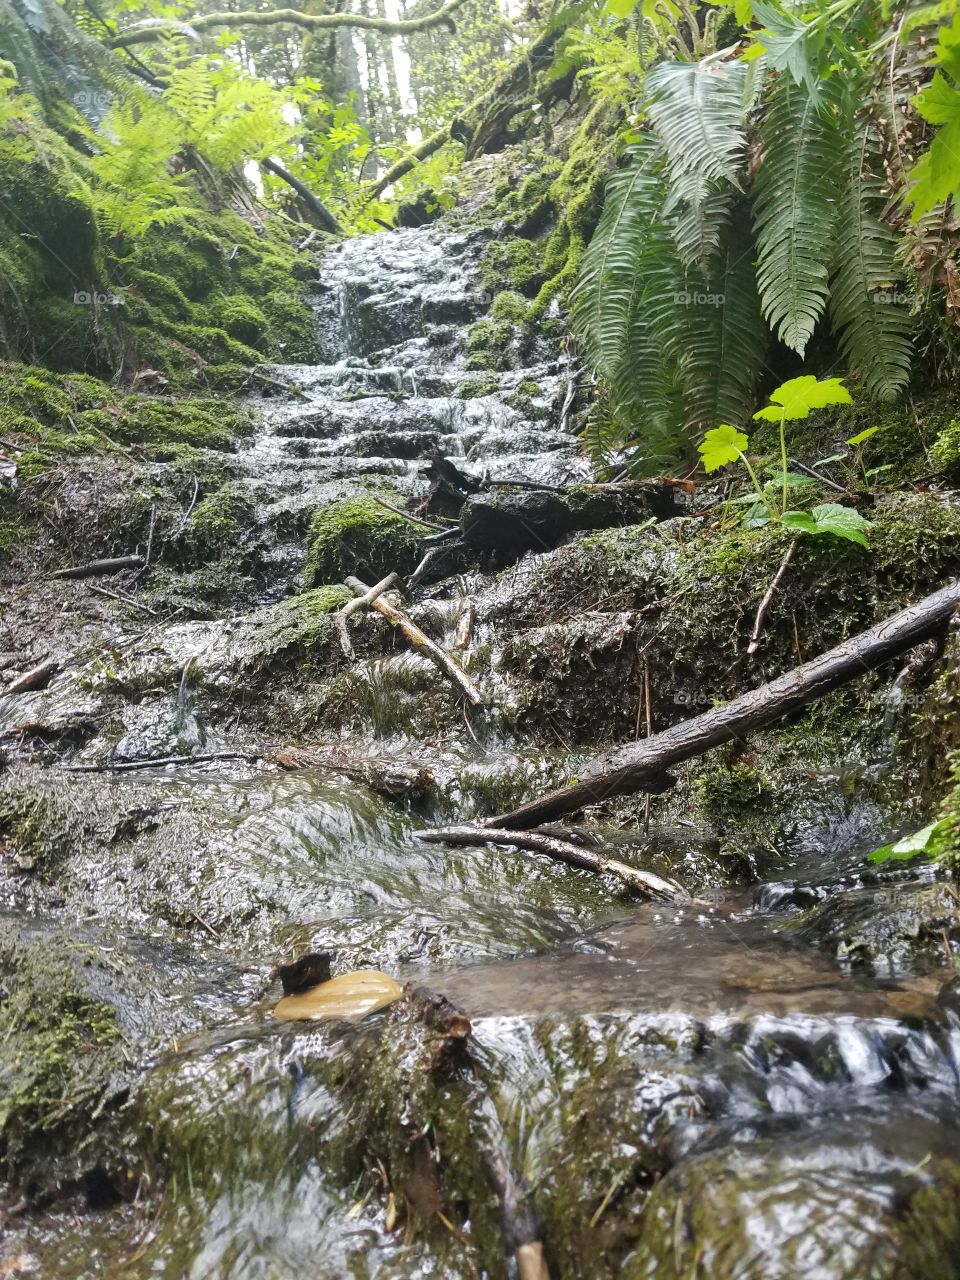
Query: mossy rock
column 58, row 1052
column 360, row 537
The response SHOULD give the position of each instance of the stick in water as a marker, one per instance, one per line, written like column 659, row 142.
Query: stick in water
column 421, row 643
column 360, row 602
column 645, row 882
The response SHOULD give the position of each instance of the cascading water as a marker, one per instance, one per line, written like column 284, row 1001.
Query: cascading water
column 698, row 1092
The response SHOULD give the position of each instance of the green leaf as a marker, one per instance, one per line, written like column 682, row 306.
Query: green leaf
column 908, row 847
column 795, row 398
column 795, row 210
column 697, row 109
column 720, row 446
column 842, row 522
column 937, row 173
column 742, row 12
column 790, row 44
column 794, row 481
column 866, row 305
column 621, row 8
column 799, row 520
column 834, row 457
column 862, row 436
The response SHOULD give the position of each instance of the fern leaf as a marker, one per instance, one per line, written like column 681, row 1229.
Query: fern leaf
column 866, row 305
column 796, row 209
column 719, row 335
column 697, row 109
column 605, row 293
column 698, row 210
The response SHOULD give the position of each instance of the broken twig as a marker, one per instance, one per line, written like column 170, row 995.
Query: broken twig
column 421, row 643
column 360, row 602
column 522, row 1229
column 159, row 762
column 645, row 882
column 768, row 595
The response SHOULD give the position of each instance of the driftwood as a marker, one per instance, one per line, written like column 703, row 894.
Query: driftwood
column 522, row 1229
column 100, row 568
column 360, row 602
column 385, row 777
column 643, row 766
column 160, row 762
column 645, row 882
column 421, row 643
column 35, row 678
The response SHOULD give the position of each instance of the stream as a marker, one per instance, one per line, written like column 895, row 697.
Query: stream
column 722, row 1090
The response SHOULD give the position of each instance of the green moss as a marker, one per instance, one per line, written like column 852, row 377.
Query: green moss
column 478, row 384
column 217, row 525
column 358, row 536
column 239, row 317
column 488, row 344
column 509, row 306
column 56, row 1055
column 946, row 450
column 723, row 793
column 52, row 416
column 161, row 292
column 930, row 1229
column 512, row 263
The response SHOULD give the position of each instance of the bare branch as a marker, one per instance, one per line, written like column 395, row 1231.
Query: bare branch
column 142, row 34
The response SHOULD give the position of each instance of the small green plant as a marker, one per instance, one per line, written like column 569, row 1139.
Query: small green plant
column 790, row 402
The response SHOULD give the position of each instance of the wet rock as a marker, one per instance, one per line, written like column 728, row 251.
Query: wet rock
column 887, row 930
column 771, row 1203
column 303, row 973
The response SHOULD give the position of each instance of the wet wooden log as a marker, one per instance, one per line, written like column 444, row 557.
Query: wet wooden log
column 100, row 568
column 644, row 766
column 35, row 678
column 644, row 882
column 421, row 642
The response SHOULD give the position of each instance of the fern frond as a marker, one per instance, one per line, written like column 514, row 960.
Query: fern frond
column 697, row 209
column 720, row 335
column 866, row 304
column 795, row 208
column 604, row 296
column 697, row 109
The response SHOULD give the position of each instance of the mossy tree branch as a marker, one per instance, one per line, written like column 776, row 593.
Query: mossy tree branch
column 295, row 17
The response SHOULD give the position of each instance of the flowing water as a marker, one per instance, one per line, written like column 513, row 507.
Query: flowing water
column 723, row 1090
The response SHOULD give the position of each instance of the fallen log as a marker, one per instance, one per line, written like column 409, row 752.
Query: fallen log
column 645, row 882
column 421, row 642
column 643, row 766
column 35, row 678
column 100, row 568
